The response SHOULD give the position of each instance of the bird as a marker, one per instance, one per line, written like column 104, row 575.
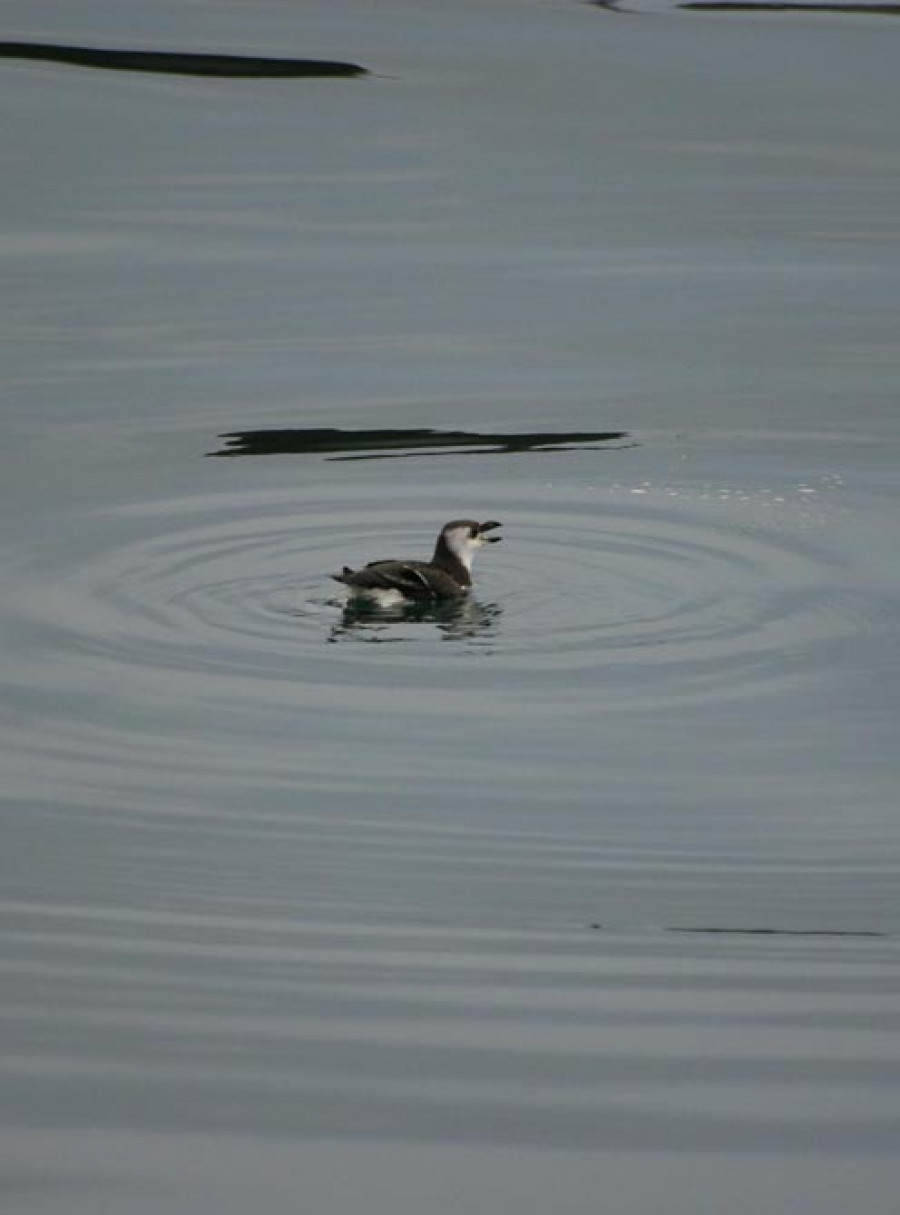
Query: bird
column 448, row 575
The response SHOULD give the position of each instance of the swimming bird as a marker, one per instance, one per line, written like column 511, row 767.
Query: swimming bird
column 446, row 576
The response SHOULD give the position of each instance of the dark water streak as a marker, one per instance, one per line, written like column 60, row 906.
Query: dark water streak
column 761, row 6
column 772, row 932
column 178, row 62
column 748, row 6
column 377, row 443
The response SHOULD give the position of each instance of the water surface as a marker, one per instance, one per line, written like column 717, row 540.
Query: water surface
column 586, row 886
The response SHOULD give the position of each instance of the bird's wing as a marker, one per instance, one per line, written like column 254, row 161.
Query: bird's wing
column 390, row 576
column 404, row 577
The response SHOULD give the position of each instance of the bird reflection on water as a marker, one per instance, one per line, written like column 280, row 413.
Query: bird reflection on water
column 463, row 619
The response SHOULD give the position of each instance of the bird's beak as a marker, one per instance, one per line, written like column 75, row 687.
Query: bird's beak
column 487, row 527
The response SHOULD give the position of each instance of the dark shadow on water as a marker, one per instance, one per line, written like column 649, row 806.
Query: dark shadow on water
column 464, row 619
column 757, row 6
column 748, row 6
column 778, row 932
column 178, row 63
column 393, row 444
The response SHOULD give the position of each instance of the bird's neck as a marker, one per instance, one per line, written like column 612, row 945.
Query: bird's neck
column 444, row 558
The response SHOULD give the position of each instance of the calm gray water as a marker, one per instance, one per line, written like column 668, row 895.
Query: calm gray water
column 583, row 896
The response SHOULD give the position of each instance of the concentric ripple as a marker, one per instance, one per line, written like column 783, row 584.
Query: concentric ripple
column 586, row 597
column 645, row 593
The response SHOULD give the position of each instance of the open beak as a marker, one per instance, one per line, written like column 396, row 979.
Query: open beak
column 488, row 527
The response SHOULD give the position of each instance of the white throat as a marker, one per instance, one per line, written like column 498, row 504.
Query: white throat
column 463, row 545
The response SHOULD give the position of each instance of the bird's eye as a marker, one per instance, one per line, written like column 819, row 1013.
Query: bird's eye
column 473, row 532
